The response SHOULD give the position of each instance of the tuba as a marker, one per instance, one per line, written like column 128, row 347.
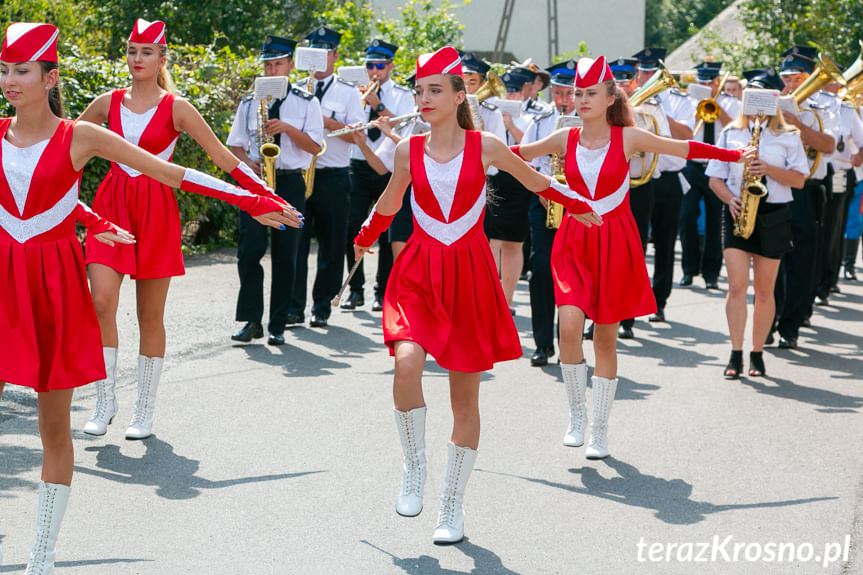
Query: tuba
column 268, row 150
column 751, row 192
column 493, row 86
column 853, row 77
column 661, row 81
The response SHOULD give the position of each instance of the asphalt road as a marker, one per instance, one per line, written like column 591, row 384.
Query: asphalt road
column 286, row 460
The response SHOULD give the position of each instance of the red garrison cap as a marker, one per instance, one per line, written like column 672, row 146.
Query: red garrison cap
column 444, row 61
column 26, row 42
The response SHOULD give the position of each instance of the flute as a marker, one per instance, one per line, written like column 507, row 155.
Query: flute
column 368, row 125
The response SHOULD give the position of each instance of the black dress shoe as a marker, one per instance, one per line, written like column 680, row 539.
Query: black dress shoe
column 835, row 289
column 276, row 339
column 318, row 321
column 822, row 300
column 625, row 332
column 686, row 280
column 354, row 301
column 295, row 318
column 850, row 273
column 658, row 316
column 540, row 356
column 710, row 284
column 252, row 330
column 588, row 333
column 379, row 304
column 789, row 343
column 806, row 323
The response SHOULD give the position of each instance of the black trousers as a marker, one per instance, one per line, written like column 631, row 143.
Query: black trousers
column 252, row 247
column 641, row 201
column 326, row 216
column 832, row 233
column 794, row 285
column 709, row 263
column 541, row 284
column 667, row 199
column 366, row 187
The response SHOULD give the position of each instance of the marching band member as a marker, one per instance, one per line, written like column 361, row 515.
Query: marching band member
column 795, row 285
column 541, row 283
column 388, row 100
column 709, row 261
column 54, row 344
column 297, row 127
column 328, row 208
column 475, row 74
column 589, row 263
column 460, row 318
column 782, row 165
column 150, row 116
column 733, row 87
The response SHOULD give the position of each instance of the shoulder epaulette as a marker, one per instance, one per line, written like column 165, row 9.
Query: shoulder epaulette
column 302, row 82
column 247, row 98
column 543, row 115
column 488, row 105
column 343, row 81
column 301, row 93
column 678, row 92
column 402, row 88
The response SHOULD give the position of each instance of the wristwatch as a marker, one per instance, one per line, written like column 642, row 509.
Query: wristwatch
column 380, row 107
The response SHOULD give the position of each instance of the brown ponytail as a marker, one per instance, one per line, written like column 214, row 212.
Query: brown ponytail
column 55, row 98
column 620, row 112
column 463, row 114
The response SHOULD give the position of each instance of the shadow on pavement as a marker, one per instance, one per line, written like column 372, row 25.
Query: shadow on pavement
column 173, row 475
column 485, row 562
column 670, row 498
column 66, row 564
column 829, row 401
column 293, row 361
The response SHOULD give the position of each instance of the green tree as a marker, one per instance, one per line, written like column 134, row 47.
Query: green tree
column 669, row 23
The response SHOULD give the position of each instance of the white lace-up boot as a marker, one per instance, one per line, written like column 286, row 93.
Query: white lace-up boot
column 575, row 380
column 450, row 520
column 149, row 371
column 52, row 505
column 603, row 396
column 106, row 399
column 412, row 426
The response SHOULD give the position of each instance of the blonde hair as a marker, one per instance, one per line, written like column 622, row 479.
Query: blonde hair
column 776, row 124
column 164, row 78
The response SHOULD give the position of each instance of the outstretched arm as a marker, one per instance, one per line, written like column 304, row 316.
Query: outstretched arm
column 554, row 143
column 638, row 140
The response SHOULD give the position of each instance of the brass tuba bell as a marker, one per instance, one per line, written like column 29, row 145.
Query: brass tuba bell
column 492, row 87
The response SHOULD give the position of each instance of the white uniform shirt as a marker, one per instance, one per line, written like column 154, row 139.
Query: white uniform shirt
column 299, row 109
column 341, row 102
column 398, row 101
column 540, row 126
column 678, row 107
column 828, row 110
column 783, row 150
column 850, row 136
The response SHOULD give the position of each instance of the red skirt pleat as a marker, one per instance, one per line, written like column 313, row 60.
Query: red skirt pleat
column 51, row 337
column 601, row 269
column 449, row 300
column 148, row 209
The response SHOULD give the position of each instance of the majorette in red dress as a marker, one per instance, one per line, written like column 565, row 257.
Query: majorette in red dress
column 138, row 203
column 444, row 292
column 51, row 337
column 601, row 269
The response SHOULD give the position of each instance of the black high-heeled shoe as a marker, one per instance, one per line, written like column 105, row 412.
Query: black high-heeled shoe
column 756, row 364
column 735, row 364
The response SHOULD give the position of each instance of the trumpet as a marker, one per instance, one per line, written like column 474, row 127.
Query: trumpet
column 268, row 150
column 372, row 88
column 708, row 110
column 402, row 120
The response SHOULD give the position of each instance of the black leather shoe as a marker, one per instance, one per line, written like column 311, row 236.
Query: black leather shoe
column 835, row 289
column 686, row 280
column 710, row 284
column 588, row 333
column 624, row 332
column 822, row 300
column 789, row 343
column 276, row 339
column 658, row 316
column 806, row 323
column 295, row 318
column 318, row 321
column 540, row 356
column 379, row 304
column 354, row 301
column 850, row 273
column 252, row 330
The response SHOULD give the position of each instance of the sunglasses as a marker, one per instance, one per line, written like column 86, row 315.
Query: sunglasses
column 378, row 65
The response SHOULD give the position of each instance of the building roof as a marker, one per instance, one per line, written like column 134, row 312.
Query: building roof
column 726, row 25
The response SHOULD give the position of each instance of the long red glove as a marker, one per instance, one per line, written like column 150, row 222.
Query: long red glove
column 374, row 226
column 702, row 151
column 561, row 194
column 201, row 183
column 516, row 150
column 91, row 220
column 248, row 179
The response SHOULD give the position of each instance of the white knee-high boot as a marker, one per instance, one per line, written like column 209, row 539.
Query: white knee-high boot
column 575, row 381
column 603, row 396
column 149, row 372
column 106, row 399
column 412, row 426
column 450, row 521
column 53, row 499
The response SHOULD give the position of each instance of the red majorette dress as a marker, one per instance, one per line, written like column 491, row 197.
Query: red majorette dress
column 443, row 292
column 50, row 335
column 138, row 203
column 601, row 269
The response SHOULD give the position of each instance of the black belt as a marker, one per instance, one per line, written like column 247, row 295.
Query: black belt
column 333, row 170
column 288, row 172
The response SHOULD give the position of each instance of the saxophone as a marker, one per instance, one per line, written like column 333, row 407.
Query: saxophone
column 268, row 150
column 554, row 210
column 751, row 192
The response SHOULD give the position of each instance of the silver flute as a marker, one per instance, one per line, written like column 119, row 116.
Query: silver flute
column 367, row 125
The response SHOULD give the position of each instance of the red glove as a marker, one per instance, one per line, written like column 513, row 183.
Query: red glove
column 91, row 220
column 702, row 151
column 248, row 179
column 561, row 194
column 374, row 226
column 516, row 150
column 201, row 183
